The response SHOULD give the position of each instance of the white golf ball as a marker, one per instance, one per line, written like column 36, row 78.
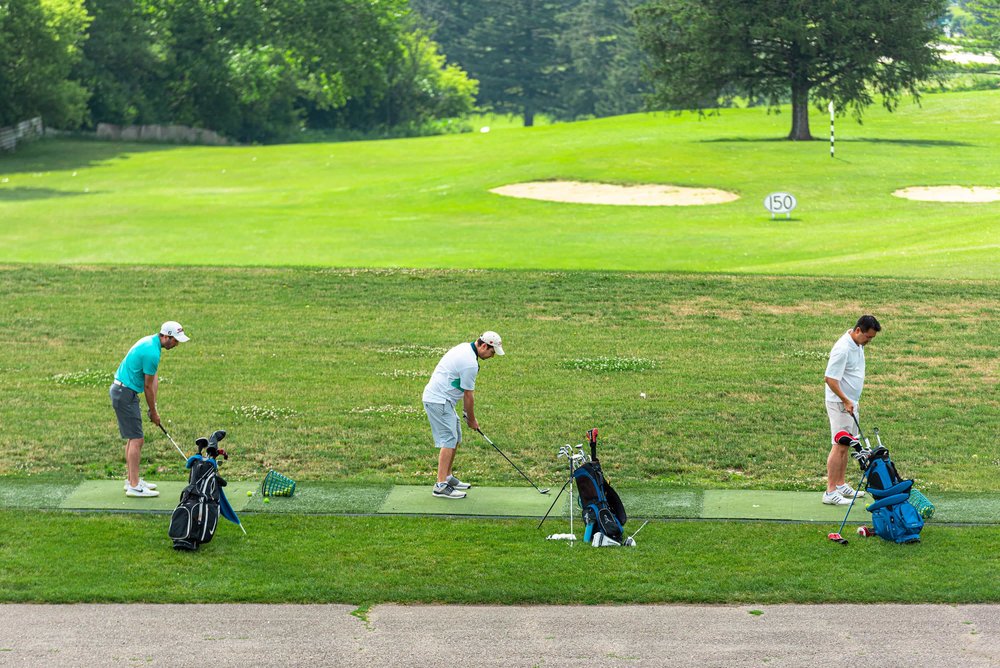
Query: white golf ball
column 642, row 395
column 483, row 129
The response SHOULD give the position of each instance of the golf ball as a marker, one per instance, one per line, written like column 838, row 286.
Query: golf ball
column 267, row 500
column 642, row 395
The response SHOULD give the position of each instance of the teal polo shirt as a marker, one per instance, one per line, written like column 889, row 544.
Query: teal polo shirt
column 141, row 360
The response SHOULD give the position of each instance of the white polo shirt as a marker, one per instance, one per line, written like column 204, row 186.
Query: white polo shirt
column 454, row 374
column 847, row 365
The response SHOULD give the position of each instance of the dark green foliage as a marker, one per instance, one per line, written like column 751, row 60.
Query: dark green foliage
column 251, row 70
column 39, row 43
column 606, row 76
column 987, row 21
column 705, row 53
column 564, row 58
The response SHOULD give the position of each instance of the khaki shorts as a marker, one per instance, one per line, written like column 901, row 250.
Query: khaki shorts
column 445, row 427
column 841, row 420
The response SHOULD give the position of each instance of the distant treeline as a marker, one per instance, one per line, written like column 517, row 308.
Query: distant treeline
column 252, row 70
column 565, row 58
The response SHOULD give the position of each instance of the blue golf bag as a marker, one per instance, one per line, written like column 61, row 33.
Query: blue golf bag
column 893, row 517
column 602, row 508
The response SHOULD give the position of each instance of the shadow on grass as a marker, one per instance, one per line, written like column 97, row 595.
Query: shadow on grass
column 53, row 155
column 852, row 140
column 25, row 194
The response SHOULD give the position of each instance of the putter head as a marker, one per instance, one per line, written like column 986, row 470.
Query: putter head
column 837, row 538
column 544, row 491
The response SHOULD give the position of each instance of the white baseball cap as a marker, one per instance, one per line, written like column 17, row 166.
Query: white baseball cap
column 492, row 339
column 174, row 329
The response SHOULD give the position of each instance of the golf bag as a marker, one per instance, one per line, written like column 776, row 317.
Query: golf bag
column 197, row 515
column 602, row 508
column 893, row 517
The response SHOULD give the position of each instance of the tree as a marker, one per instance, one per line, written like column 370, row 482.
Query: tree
column 39, row 44
column 987, row 15
column 606, row 76
column 707, row 52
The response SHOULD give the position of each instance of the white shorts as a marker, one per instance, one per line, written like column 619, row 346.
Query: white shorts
column 841, row 420
column 445, row 427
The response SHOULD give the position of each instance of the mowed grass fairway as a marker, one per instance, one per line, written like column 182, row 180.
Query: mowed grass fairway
column 426, row 202
column 321, row 284
column 319, row 373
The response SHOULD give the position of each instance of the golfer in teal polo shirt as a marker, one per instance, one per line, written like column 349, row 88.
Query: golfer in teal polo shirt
column 137, row 373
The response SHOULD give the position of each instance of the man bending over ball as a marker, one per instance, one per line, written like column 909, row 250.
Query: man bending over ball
column 454, row 378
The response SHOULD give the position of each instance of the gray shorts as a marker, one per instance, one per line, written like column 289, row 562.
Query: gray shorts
column 125, row 401
column 445, row 427
column 841, row 420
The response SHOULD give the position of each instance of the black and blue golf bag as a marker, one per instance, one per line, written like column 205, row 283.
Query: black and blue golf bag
column 893, row 517
column 196, row 517
column 602, row 508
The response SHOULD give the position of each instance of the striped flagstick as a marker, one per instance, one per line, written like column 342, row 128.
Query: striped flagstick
column 831, row 127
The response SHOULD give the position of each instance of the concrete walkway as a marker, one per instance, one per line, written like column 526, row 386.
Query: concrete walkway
column 419, row 635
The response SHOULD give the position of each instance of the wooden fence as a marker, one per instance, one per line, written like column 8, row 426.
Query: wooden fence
column 23, row 131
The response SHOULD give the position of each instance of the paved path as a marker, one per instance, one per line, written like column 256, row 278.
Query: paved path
column 469, row 636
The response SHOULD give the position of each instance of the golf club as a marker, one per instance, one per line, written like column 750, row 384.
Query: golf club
column 863, row 437
column 836, row 537
column 567, row 452
column 480, row 432
column 172, row 441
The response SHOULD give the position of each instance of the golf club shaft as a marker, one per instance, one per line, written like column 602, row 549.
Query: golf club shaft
column 553, row 504
column 523, row 475
column 163, row 429
column 860, row 432
column 639, row 529
column 853, row 498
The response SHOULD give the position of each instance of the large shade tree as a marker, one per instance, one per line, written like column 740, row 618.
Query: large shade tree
column 704, row 53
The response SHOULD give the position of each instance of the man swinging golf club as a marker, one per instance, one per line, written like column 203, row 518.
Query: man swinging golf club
column 845, row 378
column 137, row 374
column 454, row 379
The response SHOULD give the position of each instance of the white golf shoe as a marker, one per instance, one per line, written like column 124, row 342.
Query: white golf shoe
column 142, row 483
column 141, row 491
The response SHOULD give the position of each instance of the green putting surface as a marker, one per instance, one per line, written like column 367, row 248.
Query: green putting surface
column 502, row 501
column 110, row 495
column 770, row 505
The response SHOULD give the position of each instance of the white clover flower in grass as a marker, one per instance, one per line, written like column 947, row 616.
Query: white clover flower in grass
column 263, row 413
column 609, row 364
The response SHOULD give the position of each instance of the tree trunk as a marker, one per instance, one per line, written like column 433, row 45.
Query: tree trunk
column 529, row 116
column 800, row 112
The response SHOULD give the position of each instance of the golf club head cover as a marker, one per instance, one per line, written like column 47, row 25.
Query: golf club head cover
column 846, row 438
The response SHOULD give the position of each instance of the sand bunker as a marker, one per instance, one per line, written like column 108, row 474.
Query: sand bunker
column 605, row 193
column 950, row 194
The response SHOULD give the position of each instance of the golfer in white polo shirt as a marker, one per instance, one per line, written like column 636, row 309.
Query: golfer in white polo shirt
column 845, row 378
column 454, row 379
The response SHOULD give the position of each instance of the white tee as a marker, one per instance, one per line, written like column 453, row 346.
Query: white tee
column 455, row 373
column 847, row 365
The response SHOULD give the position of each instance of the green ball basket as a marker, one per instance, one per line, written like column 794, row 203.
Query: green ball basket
column 276, row 484
column 923, row 505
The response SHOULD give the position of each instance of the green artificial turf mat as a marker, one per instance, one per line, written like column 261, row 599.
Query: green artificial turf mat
column 486, row 501
column 652, row 502
column 324, row 497
column 34, row 492
column 771, row 505
column 109, row 495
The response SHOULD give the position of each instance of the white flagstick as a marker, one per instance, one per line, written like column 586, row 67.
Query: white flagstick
column 831, row 127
